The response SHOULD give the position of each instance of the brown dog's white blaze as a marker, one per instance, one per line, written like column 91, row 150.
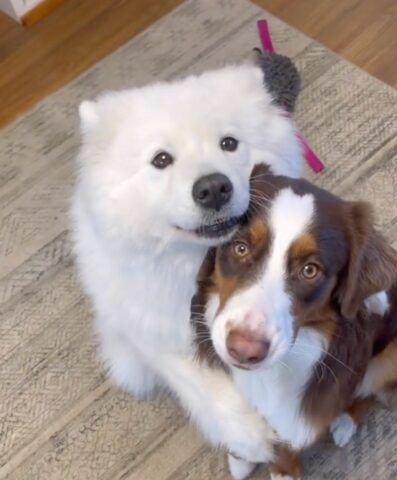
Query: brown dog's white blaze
column 332, row 262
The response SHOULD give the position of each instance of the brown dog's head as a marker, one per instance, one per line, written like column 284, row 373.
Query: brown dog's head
column 303, row 257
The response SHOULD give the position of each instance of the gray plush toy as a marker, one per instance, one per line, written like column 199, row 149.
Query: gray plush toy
column 281, row 77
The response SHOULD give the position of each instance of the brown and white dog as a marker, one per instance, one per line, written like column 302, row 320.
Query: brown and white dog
column 291, row 306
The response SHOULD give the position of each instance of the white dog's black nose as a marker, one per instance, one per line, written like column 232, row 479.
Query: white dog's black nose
column 212, row 191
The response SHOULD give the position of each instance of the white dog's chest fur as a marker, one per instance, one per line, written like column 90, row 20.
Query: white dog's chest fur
column 277, row 392
column 146, row 296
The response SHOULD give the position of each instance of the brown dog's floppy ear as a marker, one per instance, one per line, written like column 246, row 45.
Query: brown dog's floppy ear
column 372, row 264
column 205, row 350
column 204, row 283
column 207, row 267
column 263, row 182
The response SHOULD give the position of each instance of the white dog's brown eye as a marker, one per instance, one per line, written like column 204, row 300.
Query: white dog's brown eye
column 162, row 160
column 229, row 144
column 240, row 249
column 310, row 271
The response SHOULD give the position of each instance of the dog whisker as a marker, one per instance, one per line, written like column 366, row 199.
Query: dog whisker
column 327, row 353
column 319, row 362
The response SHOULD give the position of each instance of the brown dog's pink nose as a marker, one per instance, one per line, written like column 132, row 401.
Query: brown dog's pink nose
column 247, row 347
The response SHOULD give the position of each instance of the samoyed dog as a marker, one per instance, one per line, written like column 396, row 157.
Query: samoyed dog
column 163, row 174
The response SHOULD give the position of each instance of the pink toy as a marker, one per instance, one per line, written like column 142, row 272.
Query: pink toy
column 311, row 158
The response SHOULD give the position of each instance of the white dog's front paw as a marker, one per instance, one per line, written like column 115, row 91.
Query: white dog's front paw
column 125, row 368
column 239, row 468
column 249, row 437
column 342, row 429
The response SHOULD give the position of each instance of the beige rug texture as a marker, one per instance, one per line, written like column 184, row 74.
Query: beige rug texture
column 59, row 417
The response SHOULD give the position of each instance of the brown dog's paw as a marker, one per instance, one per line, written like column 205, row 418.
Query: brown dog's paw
column 287, row 465
column 282, row 477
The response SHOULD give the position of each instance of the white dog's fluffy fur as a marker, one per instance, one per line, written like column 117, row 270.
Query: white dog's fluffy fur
column 134, row 230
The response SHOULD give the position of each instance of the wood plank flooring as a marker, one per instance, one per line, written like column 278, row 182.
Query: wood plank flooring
column 362, row 31
column 37, row 60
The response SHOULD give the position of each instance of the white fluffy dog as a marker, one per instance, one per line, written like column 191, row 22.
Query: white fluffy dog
column 164, row 174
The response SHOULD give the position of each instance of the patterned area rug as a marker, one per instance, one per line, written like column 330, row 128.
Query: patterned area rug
column 59, row 417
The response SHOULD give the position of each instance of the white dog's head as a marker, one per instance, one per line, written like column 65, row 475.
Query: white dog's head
column 172, row 161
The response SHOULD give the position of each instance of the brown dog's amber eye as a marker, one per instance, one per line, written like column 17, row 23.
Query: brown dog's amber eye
column 240, row 249
column 310, row 271
column 229, row 144
column 162, row 160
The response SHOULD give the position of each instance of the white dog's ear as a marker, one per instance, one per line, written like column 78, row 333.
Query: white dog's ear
column 88, row 116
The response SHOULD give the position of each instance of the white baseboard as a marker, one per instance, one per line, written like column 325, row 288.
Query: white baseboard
column 18, row 8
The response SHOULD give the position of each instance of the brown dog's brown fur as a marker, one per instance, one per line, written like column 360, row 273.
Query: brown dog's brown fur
column 361, row 263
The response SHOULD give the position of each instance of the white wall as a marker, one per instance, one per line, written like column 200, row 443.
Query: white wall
column 17, row 8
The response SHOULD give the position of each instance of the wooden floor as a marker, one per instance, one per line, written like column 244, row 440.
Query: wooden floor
column 38, row 60
column 362, row 31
